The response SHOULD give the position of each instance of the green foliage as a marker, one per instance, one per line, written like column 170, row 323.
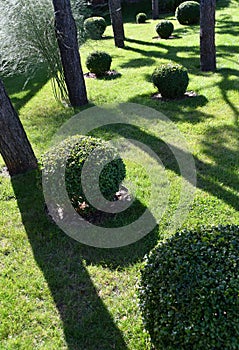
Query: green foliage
column 95, row 27
column 188, row 12
column 28, row 39
column 171, row 80
column 141, row 18
column 80, row 148
column 164, row 29
column 98, row 62
column 170, row 5
column 189, row 291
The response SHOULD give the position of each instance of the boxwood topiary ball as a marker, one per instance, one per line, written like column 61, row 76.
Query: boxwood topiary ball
column 95, row 27
column 188, row 12
column 171, row 80
column 79, row 149
column 141, row 18
column 189, row 291
column 164, row 29
column 98, row 62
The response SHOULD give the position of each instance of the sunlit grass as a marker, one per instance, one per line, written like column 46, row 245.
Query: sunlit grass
column 58, row 294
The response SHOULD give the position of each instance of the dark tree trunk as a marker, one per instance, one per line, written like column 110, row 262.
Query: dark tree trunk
column 207, row 35
column 14, row 145
column 66, row 34
column 117, row 22
column 155, row 9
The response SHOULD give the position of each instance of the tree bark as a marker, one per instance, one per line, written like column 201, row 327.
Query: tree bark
column 117, row 22
column 207, row 35
column 155, row 9
column 14, row 145
column 66, row 34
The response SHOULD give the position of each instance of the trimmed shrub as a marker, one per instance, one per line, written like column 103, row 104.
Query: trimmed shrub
column 95, row 27
column 141, row 18
column 171, row 80
column 164, row 29
column 79, row 149
column 98, row 62
column 188, row 12
column 179, row 2
column 189, row 292
column 170, row 5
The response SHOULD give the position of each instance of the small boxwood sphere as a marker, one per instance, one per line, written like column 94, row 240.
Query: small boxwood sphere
column 188, row 12
column 164, row 29
column 95, row 27
column 171, row 80
column 79, row 149
column 141, row 18
column 98, row 62
column 189, row 291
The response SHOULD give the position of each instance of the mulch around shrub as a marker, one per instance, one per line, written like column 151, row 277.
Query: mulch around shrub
column 111, row 74
column 188, row 94
column 170, row 38
column 98, row 217
column 4, row 172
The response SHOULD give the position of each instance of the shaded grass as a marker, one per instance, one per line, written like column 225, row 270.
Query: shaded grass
column 59, row 294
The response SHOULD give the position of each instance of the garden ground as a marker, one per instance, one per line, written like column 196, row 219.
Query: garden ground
column 59, row 294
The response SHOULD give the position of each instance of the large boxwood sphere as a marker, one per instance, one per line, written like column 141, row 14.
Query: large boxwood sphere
column 188, row 12
column 98, row 62
column 80, row 148
column 164, row 29
column 171, row 80
column 95, row 27
column 189, row 291
column 178, row 2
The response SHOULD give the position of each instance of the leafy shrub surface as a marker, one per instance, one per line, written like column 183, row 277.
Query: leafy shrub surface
column 170, row 5
column 164, row 29
column 171, row 80
column 141, row 18
column 98, row 62
column 188, row 12
column 189, row 292
column 79, row 149
column 95, row 27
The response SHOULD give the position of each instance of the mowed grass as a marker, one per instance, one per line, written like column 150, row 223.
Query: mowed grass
column 58, row 294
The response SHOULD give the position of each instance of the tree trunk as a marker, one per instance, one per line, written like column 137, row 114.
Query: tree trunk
column 117, row 22
column 155, row 9
column 66, row 34
column 14, row 145
column 207, row 35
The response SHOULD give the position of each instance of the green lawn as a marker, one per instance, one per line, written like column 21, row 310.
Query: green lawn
column 58, row 294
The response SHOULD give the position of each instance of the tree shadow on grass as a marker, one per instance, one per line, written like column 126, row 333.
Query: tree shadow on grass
column 188, row 56
column 162, row 50
column 28, row 87
column 183, row 110
column 229, row 82
column 86, row 321
column 217, row 179
column 138, row 62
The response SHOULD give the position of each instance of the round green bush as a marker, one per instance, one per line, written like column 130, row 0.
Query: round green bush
column 164, row 29
column 141, row 18
column 171, row 80
column 188, row 12
column 178, row 2
column 98, row 62
column 95, row 27
column 189, row 291
column 79, row 149
column 170, row 5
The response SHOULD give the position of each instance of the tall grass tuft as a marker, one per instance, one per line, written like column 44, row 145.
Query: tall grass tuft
column 27, row 36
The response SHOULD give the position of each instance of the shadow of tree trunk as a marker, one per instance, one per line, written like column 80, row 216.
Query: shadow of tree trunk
column 86, row 321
